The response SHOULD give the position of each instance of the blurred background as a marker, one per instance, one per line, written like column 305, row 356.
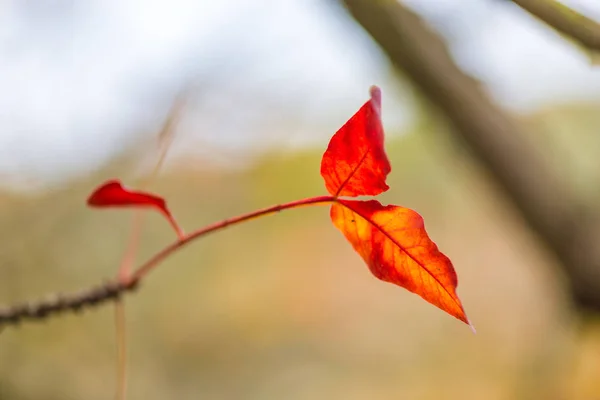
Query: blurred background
column 281, row 307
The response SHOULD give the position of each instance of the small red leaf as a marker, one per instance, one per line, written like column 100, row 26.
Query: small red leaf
column 113, row 194
column 355, row 163
column 393, row 242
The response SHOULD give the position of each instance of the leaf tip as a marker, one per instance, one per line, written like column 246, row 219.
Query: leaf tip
column 375, row 93
column 463, row 317
column 472, row 327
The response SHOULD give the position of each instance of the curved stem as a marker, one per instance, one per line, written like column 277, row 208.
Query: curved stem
column 144, row 269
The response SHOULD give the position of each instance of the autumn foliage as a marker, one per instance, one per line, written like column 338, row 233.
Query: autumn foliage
column 392, row 240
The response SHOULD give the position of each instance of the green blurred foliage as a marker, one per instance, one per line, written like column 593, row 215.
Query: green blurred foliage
column 281, row 307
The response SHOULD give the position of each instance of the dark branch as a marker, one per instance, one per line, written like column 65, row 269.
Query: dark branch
column 563, row 225
column 565, row 20
column 60, row 304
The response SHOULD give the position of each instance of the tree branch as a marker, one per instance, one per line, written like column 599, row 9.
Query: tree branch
column 569, row 232
column 565, row 20
column 62, row 304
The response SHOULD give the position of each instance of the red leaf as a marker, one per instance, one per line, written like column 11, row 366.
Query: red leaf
column 393, row 242
column 113, row 194
column 355, row 163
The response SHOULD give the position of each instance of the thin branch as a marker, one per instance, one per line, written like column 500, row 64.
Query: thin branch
column 565, row 20
column 59, row 304
column 121, row 343
column 165, row 139
column 143, row 270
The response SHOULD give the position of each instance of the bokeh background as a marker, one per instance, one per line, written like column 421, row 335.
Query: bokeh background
column 281, row 307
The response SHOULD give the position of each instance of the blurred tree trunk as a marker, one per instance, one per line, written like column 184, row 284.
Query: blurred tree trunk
column 569, row 231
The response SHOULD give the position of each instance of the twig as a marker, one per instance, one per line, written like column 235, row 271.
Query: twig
column 65, row 303
column 165, row 138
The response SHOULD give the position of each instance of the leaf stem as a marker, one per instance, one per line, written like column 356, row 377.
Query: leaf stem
column 176, row 227
column 184, row 239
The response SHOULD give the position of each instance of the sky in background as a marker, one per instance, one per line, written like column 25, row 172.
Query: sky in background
column 79, row 80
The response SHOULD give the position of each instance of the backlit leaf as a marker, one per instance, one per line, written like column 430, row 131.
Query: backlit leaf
column 355, row 163
column 393, row 242
column 113, row 194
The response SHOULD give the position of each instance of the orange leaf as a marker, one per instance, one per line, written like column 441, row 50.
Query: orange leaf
column 393, row 242
column 355, row 163
column 113, row 194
